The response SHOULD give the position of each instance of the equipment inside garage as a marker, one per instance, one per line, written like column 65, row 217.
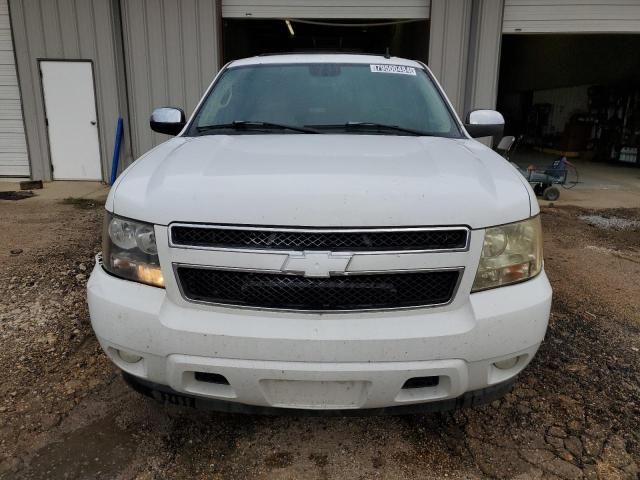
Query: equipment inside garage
column 573, row 94
column 248, row 37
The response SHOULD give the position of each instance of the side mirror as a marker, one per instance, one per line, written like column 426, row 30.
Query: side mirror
column 168, row 120
column 484, row 123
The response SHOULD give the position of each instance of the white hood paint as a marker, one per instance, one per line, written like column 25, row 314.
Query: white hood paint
column 322, row 180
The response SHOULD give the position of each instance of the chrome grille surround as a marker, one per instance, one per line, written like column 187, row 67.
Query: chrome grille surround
column 274, row 264
column 360, row 240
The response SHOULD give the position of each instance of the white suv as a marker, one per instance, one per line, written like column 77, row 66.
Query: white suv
column 322, row 234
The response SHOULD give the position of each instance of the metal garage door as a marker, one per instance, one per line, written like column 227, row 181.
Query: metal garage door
column 13, row 147
column 326, row 9
column 571, row 16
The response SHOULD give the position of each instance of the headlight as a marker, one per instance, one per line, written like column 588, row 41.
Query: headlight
column 510, row 254
column 129, row 250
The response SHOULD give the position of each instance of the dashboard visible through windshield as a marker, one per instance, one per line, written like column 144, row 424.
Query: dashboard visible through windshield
column 325, row 98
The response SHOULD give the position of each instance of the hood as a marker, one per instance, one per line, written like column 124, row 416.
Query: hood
column 322, row 180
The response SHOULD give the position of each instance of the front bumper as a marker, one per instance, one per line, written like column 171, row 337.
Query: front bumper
column 166, row 395
column 320, row 361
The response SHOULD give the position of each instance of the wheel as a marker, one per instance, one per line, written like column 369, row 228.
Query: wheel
column 551, row 193
column 538, row 189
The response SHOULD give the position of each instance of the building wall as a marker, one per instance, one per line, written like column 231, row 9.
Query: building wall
column 150, row 53
column 449, row 47
column 14, row 160
column 172, row 54
column 484, row 54
column 69, row 30
column 566, row 102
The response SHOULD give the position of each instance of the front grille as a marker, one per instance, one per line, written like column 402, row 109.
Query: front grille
column 293, row 292
column 348, row 240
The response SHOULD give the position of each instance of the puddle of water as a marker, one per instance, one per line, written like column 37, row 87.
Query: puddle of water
column 19, row 195
column 99, row 450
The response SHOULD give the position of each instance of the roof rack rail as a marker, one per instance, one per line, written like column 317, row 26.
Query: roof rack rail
column 324, row 52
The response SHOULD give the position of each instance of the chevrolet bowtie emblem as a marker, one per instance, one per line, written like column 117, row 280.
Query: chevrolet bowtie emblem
column 316, row 264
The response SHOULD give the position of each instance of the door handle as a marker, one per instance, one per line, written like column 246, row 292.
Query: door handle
column 93, row 122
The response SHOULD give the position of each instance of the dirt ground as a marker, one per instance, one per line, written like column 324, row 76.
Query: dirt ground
column 66, row 413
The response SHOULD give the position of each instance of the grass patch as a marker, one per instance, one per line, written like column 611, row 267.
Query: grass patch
column 83, row 203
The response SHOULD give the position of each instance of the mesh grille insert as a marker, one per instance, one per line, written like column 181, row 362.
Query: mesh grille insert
column 352, row 292
column 363, row 240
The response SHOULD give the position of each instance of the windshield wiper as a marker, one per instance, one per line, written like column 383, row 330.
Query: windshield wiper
column 254, row 125
column 364, row 126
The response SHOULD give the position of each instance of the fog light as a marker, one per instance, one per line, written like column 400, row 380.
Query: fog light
column 506, row 364
column 129, row 357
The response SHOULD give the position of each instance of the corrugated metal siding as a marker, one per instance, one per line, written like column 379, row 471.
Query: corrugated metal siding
column 484, row 54
column 14, row 160
column 73, row 30
column 171, row 50
column 449, row 47
column 571, row 16
column 326, row 9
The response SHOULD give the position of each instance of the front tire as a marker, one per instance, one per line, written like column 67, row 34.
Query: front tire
column 551, row 194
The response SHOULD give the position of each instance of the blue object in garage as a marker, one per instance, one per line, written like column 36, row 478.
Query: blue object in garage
column 116, row 151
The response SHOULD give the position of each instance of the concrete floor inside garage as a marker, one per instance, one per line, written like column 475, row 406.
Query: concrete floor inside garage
column 598, row 185
column 572, row 93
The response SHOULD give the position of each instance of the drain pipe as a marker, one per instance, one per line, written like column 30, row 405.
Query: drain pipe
column 116, row 151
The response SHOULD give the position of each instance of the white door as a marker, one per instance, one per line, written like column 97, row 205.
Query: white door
column 70, row 107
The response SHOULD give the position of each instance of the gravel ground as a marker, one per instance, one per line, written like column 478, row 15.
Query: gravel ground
column 65, row 412
column 611, row 222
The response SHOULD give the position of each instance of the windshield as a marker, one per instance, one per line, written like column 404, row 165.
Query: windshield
column 381, row 99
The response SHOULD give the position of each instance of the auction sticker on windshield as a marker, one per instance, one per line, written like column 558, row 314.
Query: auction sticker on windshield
column 400, row 69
